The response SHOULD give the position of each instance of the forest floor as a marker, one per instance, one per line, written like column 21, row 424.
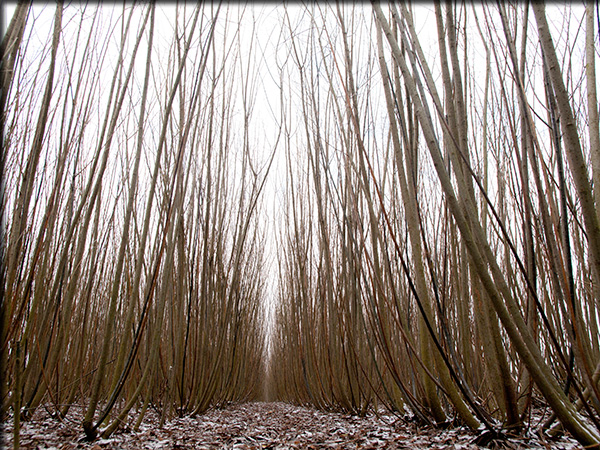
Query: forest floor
column 257, row 426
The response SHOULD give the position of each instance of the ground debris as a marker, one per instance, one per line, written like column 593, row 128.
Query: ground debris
column 261, row 426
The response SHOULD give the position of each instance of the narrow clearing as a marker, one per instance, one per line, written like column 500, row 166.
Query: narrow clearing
column 262, row 426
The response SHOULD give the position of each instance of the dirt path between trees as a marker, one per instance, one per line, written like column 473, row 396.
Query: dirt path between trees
column 262, row 426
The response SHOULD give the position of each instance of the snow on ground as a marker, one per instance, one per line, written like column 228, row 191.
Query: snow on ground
column 255, row 426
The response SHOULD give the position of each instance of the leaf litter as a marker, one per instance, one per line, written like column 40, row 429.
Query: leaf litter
column 264, row 426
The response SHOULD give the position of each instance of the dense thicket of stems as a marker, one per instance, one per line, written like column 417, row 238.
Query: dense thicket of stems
column 133, row 273
column 432, row 215
column 439, row 237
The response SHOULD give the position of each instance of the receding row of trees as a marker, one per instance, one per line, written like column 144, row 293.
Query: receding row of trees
column 132, row 251
column 440, row 248
column 439, row 245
